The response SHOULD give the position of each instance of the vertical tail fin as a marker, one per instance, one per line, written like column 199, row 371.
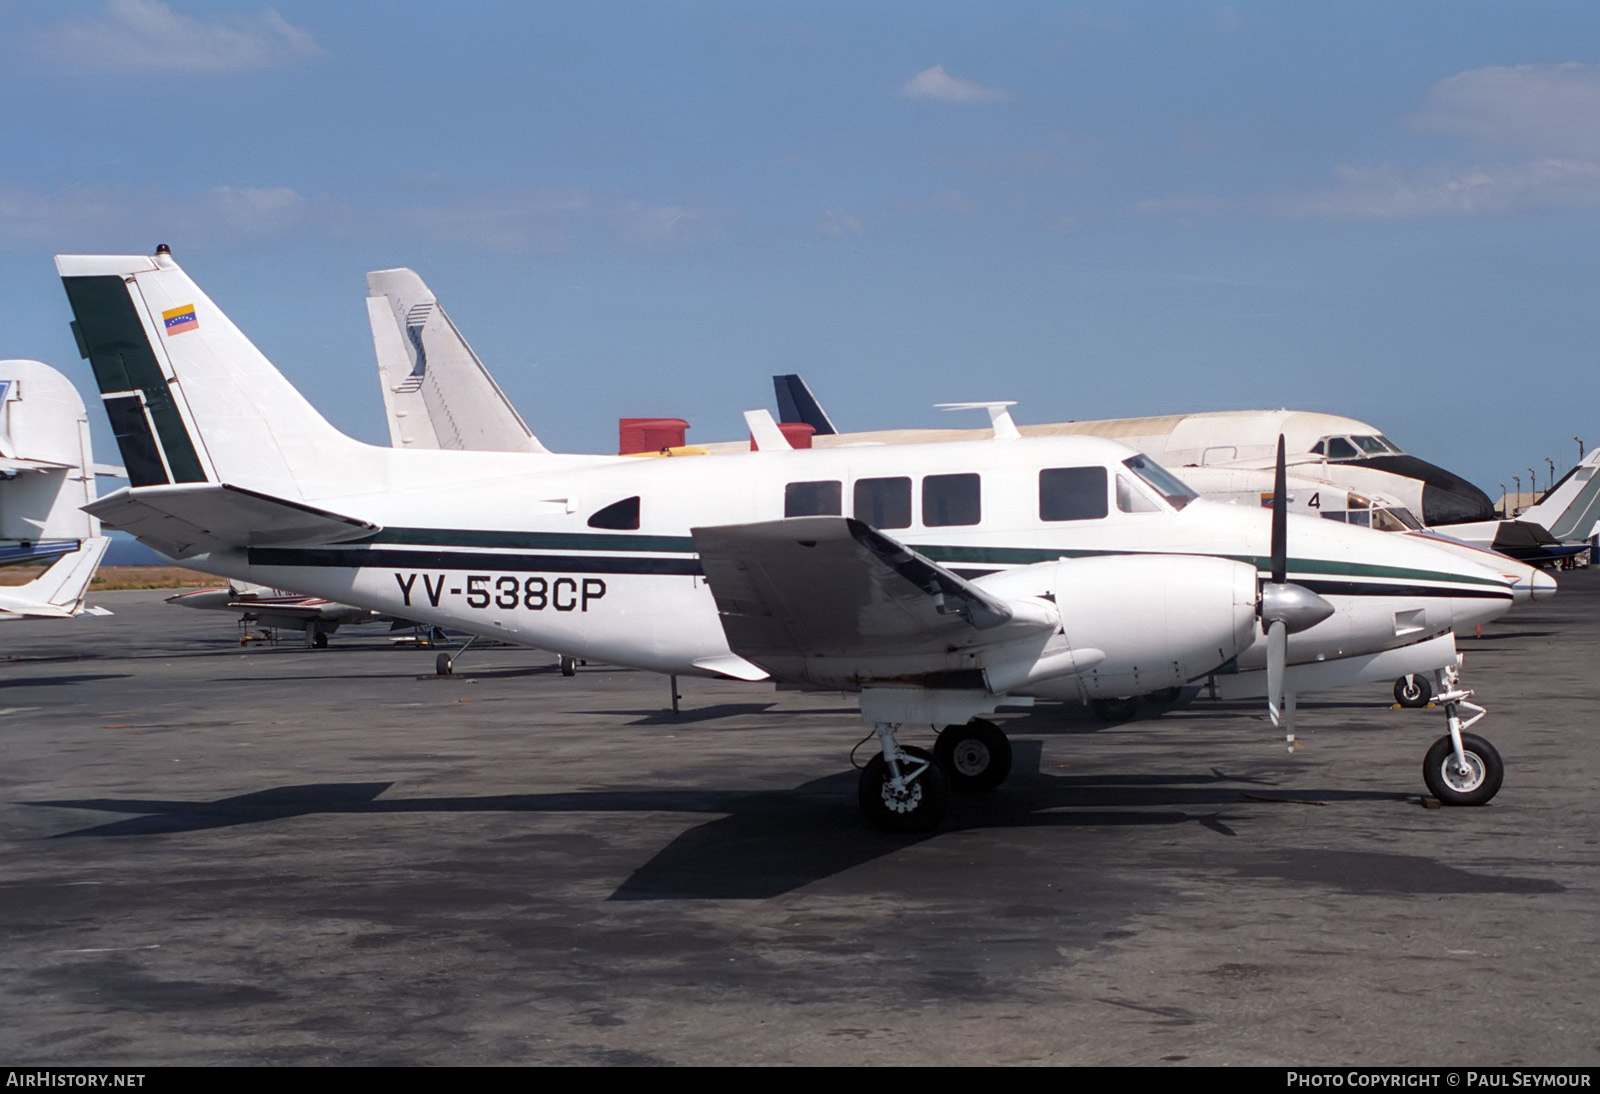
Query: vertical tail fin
column 190, row 399
column 1571, row 509
column 435, row 389
column 797, row 404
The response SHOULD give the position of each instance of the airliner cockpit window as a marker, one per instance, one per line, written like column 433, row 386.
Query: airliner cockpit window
column 1340, row 448
column 1372, row 446
column 1173, row 491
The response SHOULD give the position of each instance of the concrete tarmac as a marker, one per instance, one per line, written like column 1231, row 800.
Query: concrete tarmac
column 275, row 855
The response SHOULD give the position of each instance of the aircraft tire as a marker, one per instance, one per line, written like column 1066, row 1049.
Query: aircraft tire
column 1115, row 710
column 442, row 665
column 1412, row 690
column 569, row 665
column 1450, row 786
column 319, row 641
column 976, row 756
column 919, row 809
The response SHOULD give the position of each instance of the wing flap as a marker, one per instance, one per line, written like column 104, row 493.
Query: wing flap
column 194, row 519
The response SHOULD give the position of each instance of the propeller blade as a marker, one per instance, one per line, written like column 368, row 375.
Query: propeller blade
column 1280, row 519
column 1277, row 663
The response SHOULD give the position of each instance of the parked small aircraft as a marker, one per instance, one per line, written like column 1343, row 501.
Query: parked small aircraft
column 969, row 576
column 1562, row 523
column 314, row 615
column 58, row 592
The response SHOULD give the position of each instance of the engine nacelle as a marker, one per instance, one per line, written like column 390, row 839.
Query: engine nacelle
column 1130, row 624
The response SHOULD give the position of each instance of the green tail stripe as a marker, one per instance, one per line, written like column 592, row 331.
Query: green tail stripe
column 109, row 333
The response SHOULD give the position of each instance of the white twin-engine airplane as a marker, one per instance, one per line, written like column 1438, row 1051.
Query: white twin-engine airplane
column 967, row 576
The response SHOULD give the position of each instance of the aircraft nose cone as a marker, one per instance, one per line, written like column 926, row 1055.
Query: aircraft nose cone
column 1450, row 499
column 1544, row 586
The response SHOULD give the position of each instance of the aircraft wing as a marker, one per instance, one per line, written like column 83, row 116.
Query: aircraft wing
column 796, row 593
column 196, row 518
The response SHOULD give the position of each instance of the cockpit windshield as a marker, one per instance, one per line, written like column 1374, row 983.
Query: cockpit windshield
column 1163, row 482
column 1355, row 447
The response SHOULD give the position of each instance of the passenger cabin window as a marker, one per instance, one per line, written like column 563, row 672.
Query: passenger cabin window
column 950, row 500
column 813, row 499
column 622, row 515
column 883, row 503
column 1072, row 493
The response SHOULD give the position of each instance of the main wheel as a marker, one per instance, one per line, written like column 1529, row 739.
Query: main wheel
column 319, row 640
column 1115, row 710
column 1412, row 690
column 918, row 808
column 1452, row 786
column 569, row 665
column 442, row 665
column 976, row 756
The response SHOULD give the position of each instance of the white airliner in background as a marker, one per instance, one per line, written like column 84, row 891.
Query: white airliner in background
column 47, row 475
column 936, row 581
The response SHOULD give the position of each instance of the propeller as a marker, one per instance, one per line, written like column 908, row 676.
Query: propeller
column 1285, row 608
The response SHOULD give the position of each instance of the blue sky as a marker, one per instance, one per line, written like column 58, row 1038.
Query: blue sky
column 1383, row 210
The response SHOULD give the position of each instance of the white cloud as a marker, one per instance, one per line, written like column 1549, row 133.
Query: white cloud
column 838, row 224
column 148, row 36
column 1547, row 110
column 937, row 85
column 253, row 210
column 1543, row 119
column 1389, row 193
column 107, row 219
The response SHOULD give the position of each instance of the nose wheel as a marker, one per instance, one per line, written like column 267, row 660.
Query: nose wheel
column 1471, row 780
column 1461, row 768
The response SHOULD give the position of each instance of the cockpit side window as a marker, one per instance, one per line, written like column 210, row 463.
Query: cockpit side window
column 622, row 515
column 1072, row 493
column 813, row 499
column 883, row 503
column 1340, row 448
column 1130, row 499
column 951, row 500
column 1172, row 489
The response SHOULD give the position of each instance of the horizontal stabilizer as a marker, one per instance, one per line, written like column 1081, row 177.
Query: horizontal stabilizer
column 11, row 465
column 194, row 519
column 798, row 592
column 58, row 592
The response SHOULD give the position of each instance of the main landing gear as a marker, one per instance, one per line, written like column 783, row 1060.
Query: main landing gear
column 1461, row 768
column 906, row 789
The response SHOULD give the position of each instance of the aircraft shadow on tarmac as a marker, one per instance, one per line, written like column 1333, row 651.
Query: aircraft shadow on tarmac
column 751, row 850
